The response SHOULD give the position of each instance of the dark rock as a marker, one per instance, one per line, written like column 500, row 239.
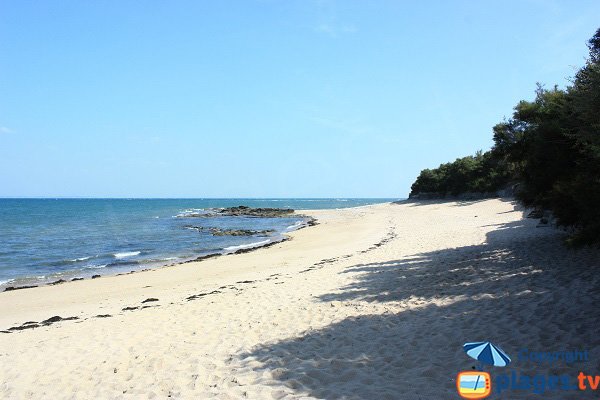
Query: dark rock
column 239, row 232
column 207, row 256
column 76, row 279
column 11, row 288
column 200, row 295
column 537, row 213
column 149, row 299
column 229, row 232
column 58, row 282
column 256, row 212
column 24, row 326
column 544, row 222
column 57, row 318
column 103, row 316
column 96, row 276
column 249, row 249
column 129, row 308
column 244, row 211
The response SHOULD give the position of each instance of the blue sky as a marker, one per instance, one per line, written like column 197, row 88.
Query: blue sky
column 265, row 98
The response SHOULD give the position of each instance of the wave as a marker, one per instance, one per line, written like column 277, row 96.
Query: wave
column 122, row 263
column 126, row 254
column 193, row 212
column 81, row 259
column 7, row 281
column 246, row 246
column 95, row 266
column 60, row 263
column 296, row 225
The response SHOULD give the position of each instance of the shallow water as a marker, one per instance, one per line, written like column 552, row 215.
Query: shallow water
column 43, row 240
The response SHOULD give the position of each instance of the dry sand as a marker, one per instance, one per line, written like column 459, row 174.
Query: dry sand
column 373, row 303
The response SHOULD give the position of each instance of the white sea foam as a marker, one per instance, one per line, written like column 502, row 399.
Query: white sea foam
column 296, row 225
column 246, row 246
column 7, row 281
column 81, row 259
column 126, row 254
column 192, row 211
column 92, row 266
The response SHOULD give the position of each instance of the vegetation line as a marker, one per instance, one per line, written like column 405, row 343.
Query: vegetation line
column 548, row 154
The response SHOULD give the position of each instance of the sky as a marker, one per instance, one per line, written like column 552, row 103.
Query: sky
column 265, row 98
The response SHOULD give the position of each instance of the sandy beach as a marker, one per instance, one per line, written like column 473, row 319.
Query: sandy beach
column 374, row 302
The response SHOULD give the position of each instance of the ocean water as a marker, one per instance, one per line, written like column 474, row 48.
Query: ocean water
column 44, row 240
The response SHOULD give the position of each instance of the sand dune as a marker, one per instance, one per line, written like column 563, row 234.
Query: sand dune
column 374, row 302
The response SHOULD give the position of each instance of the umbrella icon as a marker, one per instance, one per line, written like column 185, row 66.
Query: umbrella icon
column 487, row 353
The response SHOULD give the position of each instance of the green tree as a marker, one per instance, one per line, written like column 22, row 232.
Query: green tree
column 550, row 148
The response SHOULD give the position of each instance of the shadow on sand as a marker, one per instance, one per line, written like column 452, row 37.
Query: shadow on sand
column 520, row 290
column 457, row 202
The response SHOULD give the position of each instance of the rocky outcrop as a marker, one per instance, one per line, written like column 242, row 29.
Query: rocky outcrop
column 256, row 212
column 230, row 232
column 240, row 232
column 11, row 288
column 243, row 211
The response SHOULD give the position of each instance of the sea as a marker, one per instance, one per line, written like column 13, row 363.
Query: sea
column 48, row 240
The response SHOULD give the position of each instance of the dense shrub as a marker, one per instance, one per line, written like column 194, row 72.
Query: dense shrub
column 481, row 173
column 550, row 148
